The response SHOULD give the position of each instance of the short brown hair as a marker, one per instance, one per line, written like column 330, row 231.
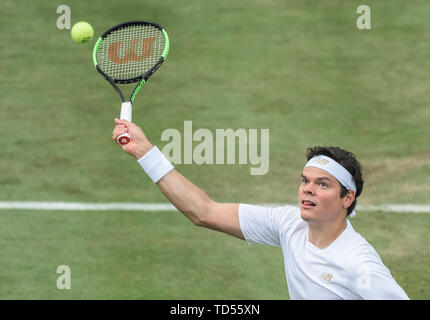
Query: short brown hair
column 348, row 161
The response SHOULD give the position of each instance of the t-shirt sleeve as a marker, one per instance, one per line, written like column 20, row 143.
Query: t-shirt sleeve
column 372, row 280
column 264, row 225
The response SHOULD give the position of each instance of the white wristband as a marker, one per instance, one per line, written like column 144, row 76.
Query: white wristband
column 155, row 164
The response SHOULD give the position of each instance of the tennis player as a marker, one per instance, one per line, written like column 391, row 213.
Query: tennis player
column 324, row 257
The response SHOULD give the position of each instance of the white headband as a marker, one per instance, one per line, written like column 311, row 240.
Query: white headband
column 336, row 170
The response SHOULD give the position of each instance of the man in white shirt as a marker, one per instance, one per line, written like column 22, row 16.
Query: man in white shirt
column 324, row 257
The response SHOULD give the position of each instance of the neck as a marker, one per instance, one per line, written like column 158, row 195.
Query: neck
column 323, row 234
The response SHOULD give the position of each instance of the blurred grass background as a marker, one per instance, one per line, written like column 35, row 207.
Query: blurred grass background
column 300, row 68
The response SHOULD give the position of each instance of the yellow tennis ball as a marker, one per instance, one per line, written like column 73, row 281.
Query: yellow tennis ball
column 82, row 32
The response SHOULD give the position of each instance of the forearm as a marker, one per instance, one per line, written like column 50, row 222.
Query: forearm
column 185, row 196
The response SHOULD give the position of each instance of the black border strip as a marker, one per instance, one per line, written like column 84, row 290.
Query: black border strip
column 168, row 309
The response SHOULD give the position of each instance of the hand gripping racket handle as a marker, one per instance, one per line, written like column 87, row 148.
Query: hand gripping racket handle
column 125, row 115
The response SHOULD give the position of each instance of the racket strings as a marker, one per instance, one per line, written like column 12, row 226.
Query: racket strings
column 131, row 51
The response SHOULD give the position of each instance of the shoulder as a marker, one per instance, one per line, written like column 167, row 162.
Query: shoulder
column 263, row 224
column 367, row 276
column 278, row 214
column 357, row 250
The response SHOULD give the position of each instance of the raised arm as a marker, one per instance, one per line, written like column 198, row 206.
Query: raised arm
column 184, row 195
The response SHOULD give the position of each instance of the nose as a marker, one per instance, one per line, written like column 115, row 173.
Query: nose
column 309, row 189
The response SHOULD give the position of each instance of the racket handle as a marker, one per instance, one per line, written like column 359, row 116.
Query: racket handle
column 126, row 111
column 125, row 115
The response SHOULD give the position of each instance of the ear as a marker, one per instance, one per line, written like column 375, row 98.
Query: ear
column 348, row 199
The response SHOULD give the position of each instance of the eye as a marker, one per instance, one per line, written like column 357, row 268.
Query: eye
column 304, row 181
column 323, row 185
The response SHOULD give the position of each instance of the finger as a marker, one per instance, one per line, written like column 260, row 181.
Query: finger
column 118, row 131
column 123, row 122
column 120, row 128
column 116, row 134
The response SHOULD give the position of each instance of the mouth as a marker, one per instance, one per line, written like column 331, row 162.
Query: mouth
column 308, row 204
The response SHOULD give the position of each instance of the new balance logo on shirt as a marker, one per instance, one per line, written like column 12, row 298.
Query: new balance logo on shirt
column 326, row 276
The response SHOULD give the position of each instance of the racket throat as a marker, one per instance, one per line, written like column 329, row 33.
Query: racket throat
column 126, row 111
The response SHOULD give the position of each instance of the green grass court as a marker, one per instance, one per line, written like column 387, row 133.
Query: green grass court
column 300, row 68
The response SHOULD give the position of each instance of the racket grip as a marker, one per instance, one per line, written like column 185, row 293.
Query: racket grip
column 126, row 111
column 125, row 115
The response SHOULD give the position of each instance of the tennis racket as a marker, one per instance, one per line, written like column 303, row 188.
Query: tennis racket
column 127, row 53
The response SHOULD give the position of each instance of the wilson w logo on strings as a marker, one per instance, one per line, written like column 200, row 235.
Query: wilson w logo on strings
column 132, row 50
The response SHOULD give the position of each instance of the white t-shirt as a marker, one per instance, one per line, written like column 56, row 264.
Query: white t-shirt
column 349, row 268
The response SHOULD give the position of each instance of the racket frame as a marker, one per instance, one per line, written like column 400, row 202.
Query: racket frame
column 126, row 105
column 142, row 78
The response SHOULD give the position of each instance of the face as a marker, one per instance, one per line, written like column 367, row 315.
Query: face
column 319, row 196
